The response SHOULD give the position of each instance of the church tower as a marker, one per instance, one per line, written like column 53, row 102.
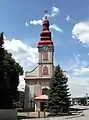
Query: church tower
column 46, row 50
column 37, row 80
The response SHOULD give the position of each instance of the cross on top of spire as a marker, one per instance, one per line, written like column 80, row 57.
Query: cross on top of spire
column 45, row 14
column 45, row 35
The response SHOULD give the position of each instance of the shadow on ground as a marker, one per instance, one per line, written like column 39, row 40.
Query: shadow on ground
column 24, row 117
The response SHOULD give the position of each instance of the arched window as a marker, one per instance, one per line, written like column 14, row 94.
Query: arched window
column 45, row 70
column 45, row 56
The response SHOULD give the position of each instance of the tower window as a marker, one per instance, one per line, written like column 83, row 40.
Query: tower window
column 45, row 70
column 45, row 56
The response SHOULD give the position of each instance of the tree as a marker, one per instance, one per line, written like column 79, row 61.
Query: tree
column 13, row 70
column 59, row 97
column 9, row 77
column 20, row 102
column 3, row 80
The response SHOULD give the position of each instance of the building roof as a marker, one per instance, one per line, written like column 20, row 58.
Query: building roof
column 45, row 35
column 42, row 97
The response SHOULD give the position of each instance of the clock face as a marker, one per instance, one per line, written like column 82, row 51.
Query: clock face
column 45, row 48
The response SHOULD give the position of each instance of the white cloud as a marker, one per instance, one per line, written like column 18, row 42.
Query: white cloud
column 54, row 12
column 4, row 37
column 67, row 18
column 79, row 55
column 81, row 32
column 81, row 71
column 39, row 22
column 56, row 28
column 33, row 22
column 76, row 62
column 78, row 72
column 36, row 22
column 26, row 24
column 79, row 86
column 26, row 55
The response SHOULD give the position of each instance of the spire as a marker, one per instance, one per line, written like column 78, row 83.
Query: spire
column 45, row 35
column 46, row 22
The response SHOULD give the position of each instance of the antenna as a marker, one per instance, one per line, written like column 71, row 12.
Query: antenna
column 45, row 14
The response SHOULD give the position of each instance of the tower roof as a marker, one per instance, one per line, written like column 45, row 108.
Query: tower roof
column 45, row 35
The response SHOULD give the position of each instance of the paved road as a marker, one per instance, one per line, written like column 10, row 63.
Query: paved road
column 82, row 116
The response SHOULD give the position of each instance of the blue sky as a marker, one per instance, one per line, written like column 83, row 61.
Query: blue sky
column 72, row 53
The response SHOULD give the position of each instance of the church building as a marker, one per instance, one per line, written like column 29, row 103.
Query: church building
column 37, row 81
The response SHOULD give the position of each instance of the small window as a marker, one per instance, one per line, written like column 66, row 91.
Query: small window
column 45, row 70
column 45, row 56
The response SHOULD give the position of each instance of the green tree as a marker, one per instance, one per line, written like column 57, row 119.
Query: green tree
column 13, row 71
column 10, row 71
column 59, row 97
column 3, row 80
